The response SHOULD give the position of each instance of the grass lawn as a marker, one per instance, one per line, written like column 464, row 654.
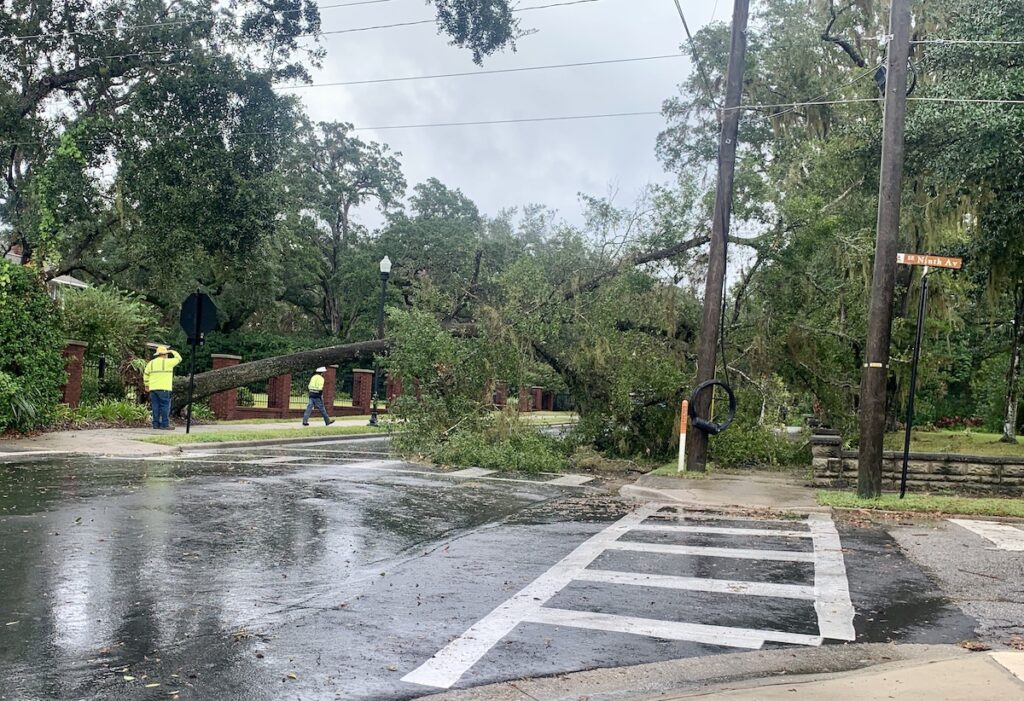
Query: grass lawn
column 181, row 437
column 260, row 422
column 959, row 442
column 926, row 503
column 671, row 469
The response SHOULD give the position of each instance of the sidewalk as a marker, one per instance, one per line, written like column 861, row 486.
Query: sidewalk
column 997, row 676
column 752, row 490
column 122, row 441
column 865, row 672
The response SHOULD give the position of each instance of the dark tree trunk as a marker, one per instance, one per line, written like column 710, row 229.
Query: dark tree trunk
column 214, row 381
column 1013, row 374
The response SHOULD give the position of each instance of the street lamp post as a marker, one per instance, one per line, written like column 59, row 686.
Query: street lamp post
column 385, row 271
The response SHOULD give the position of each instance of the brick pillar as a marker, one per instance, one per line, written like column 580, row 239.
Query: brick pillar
column 538, row 399
column 330, row 387
column 74, row 356
column 501, row 395
column 279, row 393
column 524, row 400
column 394, row 390
column 549, row 401
column 362, row 389
column 224, row 403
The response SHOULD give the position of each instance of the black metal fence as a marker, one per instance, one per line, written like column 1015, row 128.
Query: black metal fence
column 100, row 379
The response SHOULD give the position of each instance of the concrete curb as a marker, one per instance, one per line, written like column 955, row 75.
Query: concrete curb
column 282, row 441
column 667, row 680
column 631, row 491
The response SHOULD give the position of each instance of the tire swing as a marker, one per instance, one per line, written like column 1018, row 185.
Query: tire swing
column 710, row 427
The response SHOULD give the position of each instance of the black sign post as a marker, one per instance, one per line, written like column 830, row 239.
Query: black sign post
column 198, row 317
column 929, row 262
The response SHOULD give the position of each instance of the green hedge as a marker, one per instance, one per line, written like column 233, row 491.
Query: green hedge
column 31, row 341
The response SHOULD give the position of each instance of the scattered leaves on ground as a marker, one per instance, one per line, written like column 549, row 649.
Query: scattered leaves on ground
column 975, row 645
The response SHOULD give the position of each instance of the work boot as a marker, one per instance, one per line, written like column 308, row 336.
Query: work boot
column 330, row 421
column 305, row 424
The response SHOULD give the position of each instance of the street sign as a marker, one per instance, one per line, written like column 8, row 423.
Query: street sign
column 198, row 315
column 929, row 260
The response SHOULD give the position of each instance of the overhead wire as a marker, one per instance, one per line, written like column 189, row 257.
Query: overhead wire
column 185, row 22
column 496, row 71
column 696, row 57
column 524, row 120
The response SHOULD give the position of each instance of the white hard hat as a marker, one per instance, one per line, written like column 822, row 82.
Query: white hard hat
column 321, row 369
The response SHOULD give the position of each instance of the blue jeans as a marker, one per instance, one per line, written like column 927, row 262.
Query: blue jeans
column 160, row 400
column 318, row 402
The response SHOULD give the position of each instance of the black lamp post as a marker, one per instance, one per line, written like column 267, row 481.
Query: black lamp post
column 385, row 271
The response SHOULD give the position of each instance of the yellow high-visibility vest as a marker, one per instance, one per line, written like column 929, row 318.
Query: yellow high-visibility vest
column 316, row 383
column 159, row 373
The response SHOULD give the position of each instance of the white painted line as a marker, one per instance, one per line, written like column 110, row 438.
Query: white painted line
column 681, row 514
column 447, row 666
column 716, row 530
column 22, row 453
column 471, row 472
column 700, row 551
column 274, row 461
column 571, row 480
column 717, row 586
column 832, row 589
column 1002, row 535
column 1012, row 661
column 668, row 630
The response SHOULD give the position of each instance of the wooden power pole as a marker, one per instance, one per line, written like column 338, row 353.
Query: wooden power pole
column 876, row 360
column 707, row 350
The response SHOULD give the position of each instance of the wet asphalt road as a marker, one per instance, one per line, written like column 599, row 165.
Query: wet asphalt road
column 336, row 572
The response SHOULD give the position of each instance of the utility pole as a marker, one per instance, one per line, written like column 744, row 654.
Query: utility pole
column 707, row 349
column 876, row 360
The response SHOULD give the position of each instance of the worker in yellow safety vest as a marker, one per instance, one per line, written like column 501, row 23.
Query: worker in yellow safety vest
column 158, row 378
column 316, row 397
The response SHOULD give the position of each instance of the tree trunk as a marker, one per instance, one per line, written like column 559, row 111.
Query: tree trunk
column 1013, row 375
column 208, row 383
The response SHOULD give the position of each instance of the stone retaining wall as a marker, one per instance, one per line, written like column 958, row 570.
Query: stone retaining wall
column 928, row 472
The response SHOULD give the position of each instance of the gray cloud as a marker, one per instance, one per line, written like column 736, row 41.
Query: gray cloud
column 509, row 165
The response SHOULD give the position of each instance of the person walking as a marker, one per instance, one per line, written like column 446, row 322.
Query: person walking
column 158, row 379
column 316, row 398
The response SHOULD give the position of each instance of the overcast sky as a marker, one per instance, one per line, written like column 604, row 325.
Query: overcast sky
column 514, row 164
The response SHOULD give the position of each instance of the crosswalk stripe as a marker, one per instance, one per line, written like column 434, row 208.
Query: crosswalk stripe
column 1002, row 535
column 701, row 551
column 831, row 586
column 720, row 530
column 717, row 586
column 667, row 630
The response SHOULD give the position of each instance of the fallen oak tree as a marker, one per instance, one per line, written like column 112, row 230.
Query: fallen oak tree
column 213, row 381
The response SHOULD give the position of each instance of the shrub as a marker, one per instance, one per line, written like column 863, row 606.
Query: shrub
column 523, row 450
column 114, row 323
column 751, row 445
column 31, row 364
column 245, row 397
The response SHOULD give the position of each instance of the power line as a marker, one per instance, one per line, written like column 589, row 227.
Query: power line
column 966, row 100
column 696, row 56
column 996, row 42
column 301, row 86
column 815, row 99
column 178, row 23
column 414, row 23
column 524, row 120
column 270, row 132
